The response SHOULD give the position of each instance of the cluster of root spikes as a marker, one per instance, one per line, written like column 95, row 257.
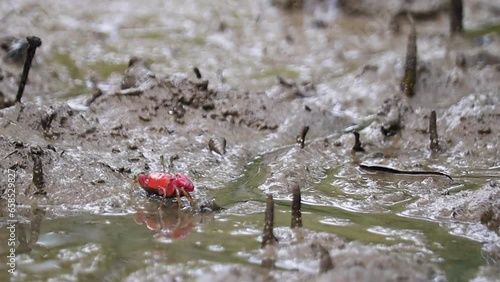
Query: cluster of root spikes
column 268, row 238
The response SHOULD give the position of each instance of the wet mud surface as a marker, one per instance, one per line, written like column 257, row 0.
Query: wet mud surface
column 102, row 107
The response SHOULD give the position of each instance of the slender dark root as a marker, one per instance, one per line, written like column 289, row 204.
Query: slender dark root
column 357, row 143
column 301, row 138
column 456, row 16
column 38, row 180
column 410, row 74
column 267, row 235
column 34, row 42
column 296, row 206
column 433, row 132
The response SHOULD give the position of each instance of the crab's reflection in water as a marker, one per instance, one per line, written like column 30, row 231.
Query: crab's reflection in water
column 170, row 222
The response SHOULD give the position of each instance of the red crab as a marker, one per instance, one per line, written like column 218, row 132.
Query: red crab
column 167, row 185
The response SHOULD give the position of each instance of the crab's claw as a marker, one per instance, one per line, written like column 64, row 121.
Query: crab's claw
column 183, row 186
column 181, row 181
column 143, row 180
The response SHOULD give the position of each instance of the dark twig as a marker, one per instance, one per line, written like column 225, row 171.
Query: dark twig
column 34, row 42
column 296, row 205
column 433, row 132
column 268, row 235
column 410, row 74
column 301, row 138
column 10, row 154
column 456, row 16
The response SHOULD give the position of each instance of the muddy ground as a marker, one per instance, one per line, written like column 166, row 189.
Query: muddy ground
column 92, row 146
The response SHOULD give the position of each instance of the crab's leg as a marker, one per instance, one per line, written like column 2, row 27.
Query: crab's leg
column 160, row 213
column 160, row 189
column 178, row 197
column 191, row 201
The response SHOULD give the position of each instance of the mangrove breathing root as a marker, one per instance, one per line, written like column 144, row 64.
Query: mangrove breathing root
column 34, row 42
column 38, row 180
column 410, row 74
column 433, row 132
column 301, row 138
column 296, row 205
column 456, row 16
column 357, row 143
column 267, row 235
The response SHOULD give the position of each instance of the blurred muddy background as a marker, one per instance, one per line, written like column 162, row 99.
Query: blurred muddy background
column 281, row 91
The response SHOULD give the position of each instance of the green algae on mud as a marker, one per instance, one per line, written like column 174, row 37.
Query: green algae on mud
column 64, row 59
column 105, row 69
column 102, row 68
column 481, row 31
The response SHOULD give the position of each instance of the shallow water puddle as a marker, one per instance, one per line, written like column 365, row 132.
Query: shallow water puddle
column 108, row 247
column 100, row 246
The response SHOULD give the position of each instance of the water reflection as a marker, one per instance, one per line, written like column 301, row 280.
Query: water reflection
column 168, row 221
column 28, row 233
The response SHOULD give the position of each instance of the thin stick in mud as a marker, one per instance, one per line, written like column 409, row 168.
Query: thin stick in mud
column 268, row 235
column 410, row 73
column 33, row 42
column 433, row 132
column 456, row 16
column 296, row 206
